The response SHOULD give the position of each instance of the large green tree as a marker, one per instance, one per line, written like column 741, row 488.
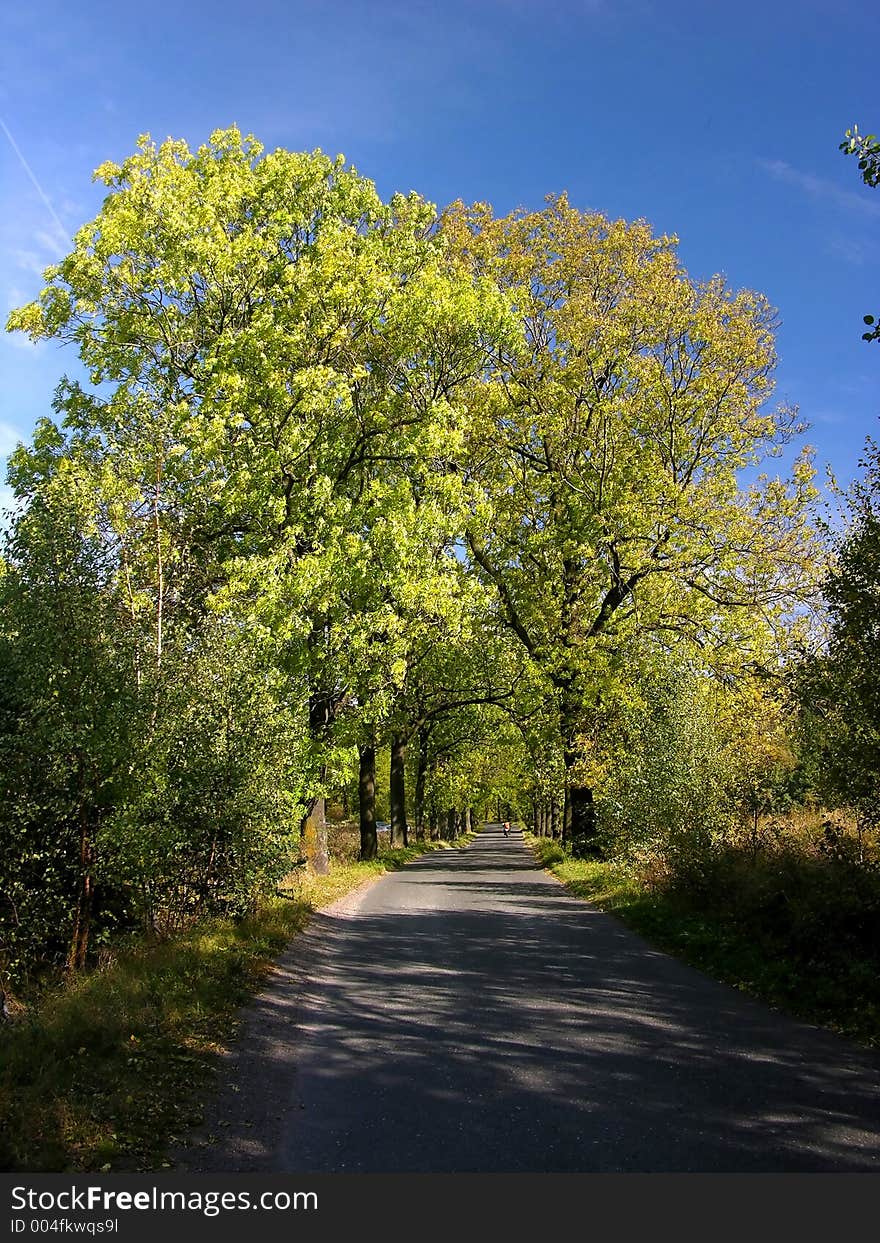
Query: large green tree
column 605, row 467
column 274, row 355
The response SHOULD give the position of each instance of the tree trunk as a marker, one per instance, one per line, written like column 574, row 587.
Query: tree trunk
column 82, row 918
column 314, row 836
column 754, row 833
column 367, row 801
column 314, row 825
column 450, row 823
column 398, row 791
column 579, row 811
column 579, row 821
column 421, row 774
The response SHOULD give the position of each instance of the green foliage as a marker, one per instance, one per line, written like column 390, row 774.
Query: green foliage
column 215, row 822
column 134, row 794
column 547, row 851
column 695, row 763
column 68, row 722
column 866, row 148
column 839, row 689
column 667, row 793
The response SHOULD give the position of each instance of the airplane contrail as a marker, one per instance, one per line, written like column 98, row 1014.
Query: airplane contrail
column 32, row 175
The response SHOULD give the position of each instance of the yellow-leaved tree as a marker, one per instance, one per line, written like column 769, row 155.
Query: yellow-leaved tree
column 615, row 502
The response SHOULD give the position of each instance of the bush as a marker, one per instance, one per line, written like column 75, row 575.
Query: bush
column 548, row 851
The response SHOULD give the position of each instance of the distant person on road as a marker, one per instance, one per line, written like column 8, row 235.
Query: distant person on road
column 506, row 828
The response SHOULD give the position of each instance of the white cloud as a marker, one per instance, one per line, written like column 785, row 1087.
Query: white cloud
column 56, row 243
column 19, row 341
column 30, row 261
column 9, row 438
column 32, row 177
column 820, row 188
column 857, row 251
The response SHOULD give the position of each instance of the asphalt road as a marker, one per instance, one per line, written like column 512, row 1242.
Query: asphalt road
column 468, row 1014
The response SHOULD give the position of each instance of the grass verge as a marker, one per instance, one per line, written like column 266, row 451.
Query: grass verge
column 838, row 991
column 109, row 1067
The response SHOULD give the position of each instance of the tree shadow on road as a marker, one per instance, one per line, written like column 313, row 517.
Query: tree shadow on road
column 522, row 1030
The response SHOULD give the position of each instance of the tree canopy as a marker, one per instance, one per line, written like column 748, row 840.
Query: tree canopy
column 353, row 481
column 605, row 465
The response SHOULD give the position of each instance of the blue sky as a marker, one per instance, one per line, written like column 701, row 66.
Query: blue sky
column 716, row 122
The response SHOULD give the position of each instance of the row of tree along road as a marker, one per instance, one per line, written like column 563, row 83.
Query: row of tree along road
column 339, row 478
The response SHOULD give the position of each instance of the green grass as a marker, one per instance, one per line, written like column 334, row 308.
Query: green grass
column 108, row 1068
column 838, row 989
